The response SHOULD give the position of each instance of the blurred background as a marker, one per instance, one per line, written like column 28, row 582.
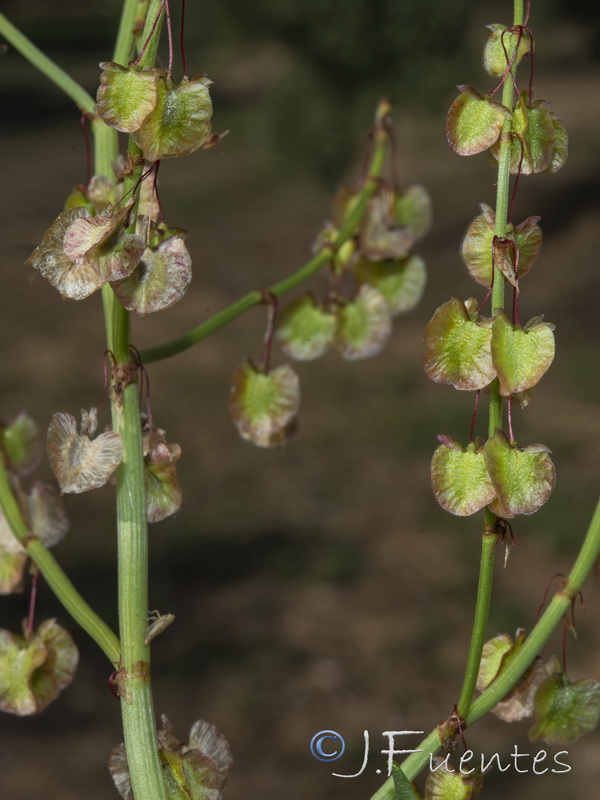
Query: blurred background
column 317, row 586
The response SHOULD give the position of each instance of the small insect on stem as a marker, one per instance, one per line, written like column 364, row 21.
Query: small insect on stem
column 158, row 623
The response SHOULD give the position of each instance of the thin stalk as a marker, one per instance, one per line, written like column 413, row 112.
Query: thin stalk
column 256, row 297
column 488, row 540
column 554, row 613
column 47, row 67
column 62, row 587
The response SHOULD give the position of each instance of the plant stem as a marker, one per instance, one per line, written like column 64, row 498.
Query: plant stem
column 482, row 609
column 557, row 608
column 137, row 705
column 47, row 67
column 131, row 13
column 54, row 576
column 488, row 540
column 256, row 297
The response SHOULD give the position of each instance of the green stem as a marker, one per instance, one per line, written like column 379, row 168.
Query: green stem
column 132, row 11
column 54, row 576
column 137, row 707
column 256, row 297
column 554, row 613
column 482, row 610
column 488, row 540
column 47, row 67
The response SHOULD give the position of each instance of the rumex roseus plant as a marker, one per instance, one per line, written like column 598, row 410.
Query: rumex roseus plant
column 112, row 237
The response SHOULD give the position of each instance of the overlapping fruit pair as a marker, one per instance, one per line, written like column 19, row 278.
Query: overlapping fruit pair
column 470, row 351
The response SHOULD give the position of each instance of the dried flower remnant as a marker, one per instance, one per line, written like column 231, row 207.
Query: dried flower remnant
column 194, row 771
column 477, row 247
column 159, row 280
column 79, row 462
column 79, row 253
column 163, row 491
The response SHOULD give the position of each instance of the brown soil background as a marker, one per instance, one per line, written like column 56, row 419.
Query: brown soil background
column 318, row 586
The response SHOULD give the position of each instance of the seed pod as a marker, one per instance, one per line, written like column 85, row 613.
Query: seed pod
column 34, row 669
column 474, row 122
column 264, row 406
column 477, row 246
column 500, row 44
column 445, row 783
column 538, row 142
column 523, row 477
column 458, row 346
column 180, row 122
column 304, row 330
column 565, row 711
column 20, row 444
column 393, row 223
column 459, row 477
column 521, row 356
column 364, row 325
column 127, row 95
column 401, row 283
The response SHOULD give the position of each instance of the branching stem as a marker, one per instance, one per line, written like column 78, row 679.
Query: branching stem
column 550, row 619
column 54, row 576
column 255, row 298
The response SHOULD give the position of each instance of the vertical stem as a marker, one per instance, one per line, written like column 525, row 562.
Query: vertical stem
column 486, row 567
column 137, row 707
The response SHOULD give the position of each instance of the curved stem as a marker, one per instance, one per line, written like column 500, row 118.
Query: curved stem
column 62, row 587
column 47, row 67
column 256, row 297
column 557, row 608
